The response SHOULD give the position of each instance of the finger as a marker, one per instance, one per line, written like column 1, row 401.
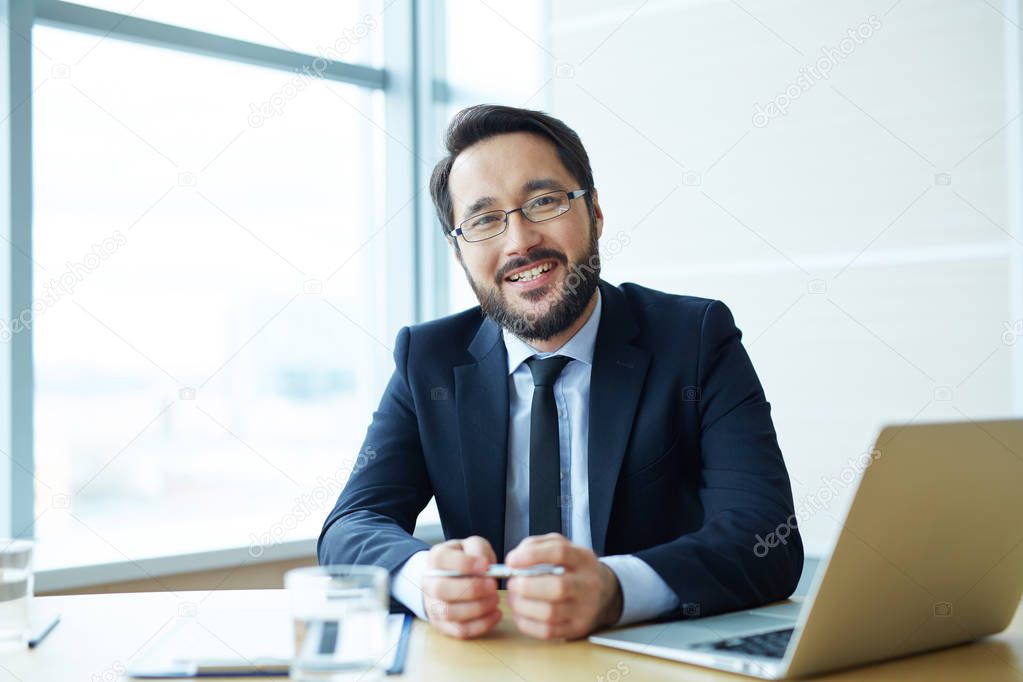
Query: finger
column 459, row 589
column 541, row 610
column 468, row 629
column 540, row 629
column 547, row 550
column 451, row 557
column 461, row 611
column 479, row 547
column 446, row 546
column 534, row 539
column 554, row 588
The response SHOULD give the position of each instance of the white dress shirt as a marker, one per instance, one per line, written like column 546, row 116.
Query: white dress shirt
column 644, row 593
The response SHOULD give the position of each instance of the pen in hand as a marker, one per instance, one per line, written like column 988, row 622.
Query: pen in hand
column 499, row 571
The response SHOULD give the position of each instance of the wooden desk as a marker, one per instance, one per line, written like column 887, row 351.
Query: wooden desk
column 99, row 634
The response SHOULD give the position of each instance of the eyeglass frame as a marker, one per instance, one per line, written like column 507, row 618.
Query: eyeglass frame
column 574, row 194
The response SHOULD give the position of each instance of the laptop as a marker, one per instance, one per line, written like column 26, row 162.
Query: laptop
column 930, row 555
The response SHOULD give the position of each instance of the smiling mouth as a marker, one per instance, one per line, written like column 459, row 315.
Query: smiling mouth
column 531, row 273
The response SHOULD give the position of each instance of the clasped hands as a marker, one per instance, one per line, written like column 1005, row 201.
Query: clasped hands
column 586, row 597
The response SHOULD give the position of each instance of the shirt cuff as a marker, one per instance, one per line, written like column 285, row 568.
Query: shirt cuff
column 645, row 595
column 405, row 587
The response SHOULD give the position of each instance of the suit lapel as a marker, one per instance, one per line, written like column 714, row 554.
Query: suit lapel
column 481, row 401
column 616, row 381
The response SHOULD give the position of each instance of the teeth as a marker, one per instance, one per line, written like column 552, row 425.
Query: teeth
column 527, row 275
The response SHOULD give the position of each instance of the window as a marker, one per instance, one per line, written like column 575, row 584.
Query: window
column 213, row 297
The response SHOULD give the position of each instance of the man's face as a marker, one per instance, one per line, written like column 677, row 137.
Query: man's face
column 510, row 169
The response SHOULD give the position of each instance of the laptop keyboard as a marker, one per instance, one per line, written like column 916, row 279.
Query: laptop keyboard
column 767, row 644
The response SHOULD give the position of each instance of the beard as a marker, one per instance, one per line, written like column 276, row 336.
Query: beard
column 561, row 303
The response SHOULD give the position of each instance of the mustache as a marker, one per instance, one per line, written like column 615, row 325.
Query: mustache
column 534, row 257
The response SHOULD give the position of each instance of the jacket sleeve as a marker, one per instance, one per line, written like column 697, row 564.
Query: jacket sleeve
column 375, row 515
column 748, row 551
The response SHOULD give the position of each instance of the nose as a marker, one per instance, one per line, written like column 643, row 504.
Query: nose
column 521, row 235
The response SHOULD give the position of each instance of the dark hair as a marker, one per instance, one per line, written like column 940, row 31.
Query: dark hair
column 476, row 123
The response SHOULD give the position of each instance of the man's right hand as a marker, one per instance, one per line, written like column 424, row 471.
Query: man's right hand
column 462, row 607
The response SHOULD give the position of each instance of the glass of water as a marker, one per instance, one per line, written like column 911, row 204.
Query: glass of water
column 340, row 617
column 15, row 589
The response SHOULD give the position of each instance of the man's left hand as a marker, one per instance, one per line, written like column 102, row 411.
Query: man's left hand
column 585, row 598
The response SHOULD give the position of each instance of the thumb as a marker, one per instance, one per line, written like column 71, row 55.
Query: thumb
column 479, row 547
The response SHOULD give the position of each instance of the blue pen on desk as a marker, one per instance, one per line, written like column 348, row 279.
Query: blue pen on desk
column 398, row 665
column 34, row 641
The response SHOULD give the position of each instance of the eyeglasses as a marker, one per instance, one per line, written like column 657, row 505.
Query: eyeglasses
column 538, row 209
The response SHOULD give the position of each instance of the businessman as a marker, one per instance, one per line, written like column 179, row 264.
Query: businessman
column 619, row 432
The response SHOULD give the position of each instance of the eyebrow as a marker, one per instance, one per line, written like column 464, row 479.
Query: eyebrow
column 531, row 186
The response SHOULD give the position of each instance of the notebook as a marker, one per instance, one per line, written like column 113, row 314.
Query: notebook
column 240, row 642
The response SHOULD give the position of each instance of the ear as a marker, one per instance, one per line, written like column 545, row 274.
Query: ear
column 597, row 213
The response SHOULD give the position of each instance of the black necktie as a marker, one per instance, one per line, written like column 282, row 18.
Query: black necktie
column 544, row 447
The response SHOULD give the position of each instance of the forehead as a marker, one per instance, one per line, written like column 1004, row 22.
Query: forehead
column 501, row 166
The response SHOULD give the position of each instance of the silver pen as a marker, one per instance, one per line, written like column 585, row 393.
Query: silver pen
column 499, row 571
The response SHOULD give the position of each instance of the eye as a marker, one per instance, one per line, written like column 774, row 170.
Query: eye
column 483, row 221
column 544, row 201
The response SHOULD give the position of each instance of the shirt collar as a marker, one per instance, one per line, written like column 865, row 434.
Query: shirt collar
column 579, row 347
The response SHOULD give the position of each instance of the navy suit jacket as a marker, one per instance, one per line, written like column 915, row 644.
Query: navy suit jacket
column 684, row 466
